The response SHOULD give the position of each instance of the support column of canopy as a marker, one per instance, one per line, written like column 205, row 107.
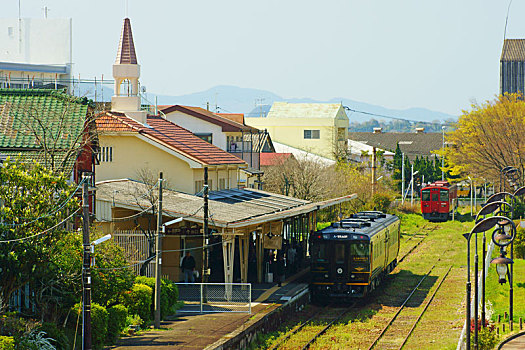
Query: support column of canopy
column 259, row 251
column 228, row 252
column 243, row 255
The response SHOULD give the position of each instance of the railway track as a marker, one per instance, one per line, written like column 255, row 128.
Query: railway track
column 396, row 325
column 418, row 243
column 325, row 316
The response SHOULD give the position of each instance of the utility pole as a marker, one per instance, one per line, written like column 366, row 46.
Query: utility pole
column 86, row 266
column 158, row 260
column 412, row 186
column 373, row 170
column 402, row 178
column 205, row 266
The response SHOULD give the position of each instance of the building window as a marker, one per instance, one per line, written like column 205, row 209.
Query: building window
column 208, row 137
column 199, row 185
column 311, row 134
column 340, row 134
column 106, row 154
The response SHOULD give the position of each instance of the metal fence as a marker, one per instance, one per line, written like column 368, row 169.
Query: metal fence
column 135, row 246
column 215, row 297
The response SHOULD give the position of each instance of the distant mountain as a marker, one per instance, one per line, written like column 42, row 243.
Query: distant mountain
column 255, row 102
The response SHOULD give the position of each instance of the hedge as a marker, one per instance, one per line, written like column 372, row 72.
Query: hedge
column 138, row 301
column 117, row 321
column 169, row 294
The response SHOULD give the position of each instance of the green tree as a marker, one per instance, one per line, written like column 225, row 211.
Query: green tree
column 35, row 211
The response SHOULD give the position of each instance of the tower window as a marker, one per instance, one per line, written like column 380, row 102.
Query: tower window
column 311, row 134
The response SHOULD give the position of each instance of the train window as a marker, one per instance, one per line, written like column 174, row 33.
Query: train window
column 435, row 196
column 319, row 252
column 359, row 250
column 443, row 194
column 339, row 253
column 425, row 195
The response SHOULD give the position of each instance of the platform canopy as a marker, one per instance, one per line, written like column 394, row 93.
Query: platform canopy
column 228, row 209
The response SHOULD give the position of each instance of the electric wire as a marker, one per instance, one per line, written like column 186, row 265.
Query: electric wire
column 60, row 207
column 43, row 232
column 127, row 218
column 392, row 117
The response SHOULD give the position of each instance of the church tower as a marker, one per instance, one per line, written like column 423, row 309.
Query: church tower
column 126, row 72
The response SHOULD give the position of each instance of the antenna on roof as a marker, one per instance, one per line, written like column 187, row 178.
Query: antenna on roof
column 126, row 8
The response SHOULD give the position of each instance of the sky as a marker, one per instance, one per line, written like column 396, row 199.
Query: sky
column 441, row 55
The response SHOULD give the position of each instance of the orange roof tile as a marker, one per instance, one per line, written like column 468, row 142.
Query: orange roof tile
column 236, row 117
column 170, row 134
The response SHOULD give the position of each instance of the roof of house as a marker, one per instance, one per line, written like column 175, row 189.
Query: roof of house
column 34, row 119
column 231, row 208
column 236, row 117
column 269, row 159
column 302, row 155
column 201, row 113
column 410, row 143
column 513, row 50
column 169, row 134
column 126, row 47
column 304, row 110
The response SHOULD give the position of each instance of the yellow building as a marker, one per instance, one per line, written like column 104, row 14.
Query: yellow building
column 318, row 128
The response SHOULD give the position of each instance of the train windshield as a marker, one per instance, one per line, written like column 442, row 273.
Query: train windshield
column 339, row 253
column 425, row 195
column 319, row 252
column 359, row 251
column 443, row 194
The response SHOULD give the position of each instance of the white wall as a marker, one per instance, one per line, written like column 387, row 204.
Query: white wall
column 36, row 41
column 196, row 126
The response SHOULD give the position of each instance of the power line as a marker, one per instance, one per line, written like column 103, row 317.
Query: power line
column 43, row 232
column 60, row 207
column 392, row 117
column 126, row 218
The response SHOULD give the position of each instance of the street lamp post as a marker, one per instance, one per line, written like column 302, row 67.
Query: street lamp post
column 481, row 226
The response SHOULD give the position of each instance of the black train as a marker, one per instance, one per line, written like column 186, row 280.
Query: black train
column 350, row 257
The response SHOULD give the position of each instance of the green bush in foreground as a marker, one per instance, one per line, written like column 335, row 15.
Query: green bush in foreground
column 7, row 343
column 169, row 294
column 99, row 323
column 117, row 321
column 138, row 301
column 58, row 334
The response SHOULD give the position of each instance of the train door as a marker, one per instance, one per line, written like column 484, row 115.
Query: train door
column 444, row 198
column 387, row 247
column 434, row 200
column 340, row 262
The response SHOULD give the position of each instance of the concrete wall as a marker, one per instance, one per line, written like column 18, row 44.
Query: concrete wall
column 196, row 125
column 131, row 154
column 36, row 41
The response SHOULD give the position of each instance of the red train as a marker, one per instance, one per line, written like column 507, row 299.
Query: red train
column 438, row 200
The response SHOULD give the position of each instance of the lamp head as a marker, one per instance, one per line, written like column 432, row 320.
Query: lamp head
column 502, row 268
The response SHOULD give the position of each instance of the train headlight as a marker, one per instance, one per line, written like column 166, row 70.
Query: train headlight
column 352, row 276
column 326, row 275
column 339, row 270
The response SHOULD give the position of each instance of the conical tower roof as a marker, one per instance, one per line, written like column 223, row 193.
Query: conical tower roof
column 126, row 48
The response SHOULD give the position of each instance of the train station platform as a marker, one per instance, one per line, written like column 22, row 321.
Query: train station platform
column 221, row 330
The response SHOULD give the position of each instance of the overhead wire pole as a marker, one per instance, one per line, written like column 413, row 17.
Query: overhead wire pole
column 158, row 260
column 205, row 266
column 86, row 278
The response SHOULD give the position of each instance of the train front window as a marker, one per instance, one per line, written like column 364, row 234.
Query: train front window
column 425, row 195
column 339, row 253
column 319, row 252
column 443, row 195
column 359, row 251
column 435, row 196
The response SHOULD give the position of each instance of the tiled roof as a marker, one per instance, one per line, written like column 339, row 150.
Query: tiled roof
column 201, row 113
column 304, row 110
column 33, row 118
column 126, row 47
column 268, row 159
column 513, row 50
column 410, row 143
column 170, row 134
column 236, row 117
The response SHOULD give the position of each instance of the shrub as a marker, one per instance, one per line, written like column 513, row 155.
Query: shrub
column 7, row 343
column 61, row 341
column 487, row 338
column 519, row 243
column 13, row 325
column 117, row 321
column 169, row 294
column 35, row 340
column 138, row 301
column 99, row 323
column 381, row 202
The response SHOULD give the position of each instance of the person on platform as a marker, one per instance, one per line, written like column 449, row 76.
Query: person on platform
column 279, row 270
column 188, row 266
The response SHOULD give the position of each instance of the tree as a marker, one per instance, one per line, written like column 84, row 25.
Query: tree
column 36, row 208
column 488, row 138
